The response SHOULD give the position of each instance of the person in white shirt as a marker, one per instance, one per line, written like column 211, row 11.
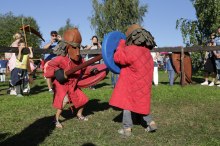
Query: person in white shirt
column 155, row 56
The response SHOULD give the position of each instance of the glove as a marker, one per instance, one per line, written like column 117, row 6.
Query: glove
column 59, row 75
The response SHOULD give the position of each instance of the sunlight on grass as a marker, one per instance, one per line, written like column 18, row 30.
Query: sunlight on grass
column 188, row 115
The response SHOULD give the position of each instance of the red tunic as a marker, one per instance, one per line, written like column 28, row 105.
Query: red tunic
column 75, row 95
column 133, row 89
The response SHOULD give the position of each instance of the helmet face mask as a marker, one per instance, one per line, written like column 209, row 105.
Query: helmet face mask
column 74, row 53
column 73, row 39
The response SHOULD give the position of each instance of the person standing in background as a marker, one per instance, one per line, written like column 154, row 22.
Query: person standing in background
column 169, row 68
column 3, row 68
column 95, row 45
column 155, row 56
column 217, row 56
column 12, row 60
column 54, row 38
column 19, row 77
column 209, row 66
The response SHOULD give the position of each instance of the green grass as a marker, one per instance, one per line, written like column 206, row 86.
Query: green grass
column 188, row 115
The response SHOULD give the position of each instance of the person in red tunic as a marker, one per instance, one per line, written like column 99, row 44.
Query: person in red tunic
column 65, row 87
column 132, row 92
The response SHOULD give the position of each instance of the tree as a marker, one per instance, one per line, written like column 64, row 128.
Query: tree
column 111, row 15
column 67, row 26
column 10, row 24
column 197, row 32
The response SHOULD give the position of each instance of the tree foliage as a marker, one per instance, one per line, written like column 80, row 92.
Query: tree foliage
column 197, row 32
column 10, row 24
column 68, row 25
column 112, row 15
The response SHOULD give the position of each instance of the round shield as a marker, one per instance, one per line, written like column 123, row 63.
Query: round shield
column 90, row 80
column 109, row 45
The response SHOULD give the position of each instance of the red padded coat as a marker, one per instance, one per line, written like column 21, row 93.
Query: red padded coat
column 75, row 95
column 133, row 88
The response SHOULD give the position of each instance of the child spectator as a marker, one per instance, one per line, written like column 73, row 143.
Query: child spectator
column 19, row 75
column 12, row 59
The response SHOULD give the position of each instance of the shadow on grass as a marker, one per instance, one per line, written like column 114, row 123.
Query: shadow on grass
column 101, row 85
column 92, row 106
column 88, row 144
column 95, row 105
column 3, row 136
column 164, row 83
column 3, row 89
column 32, row 135
column 38, row 89
column 198, row 79
column 168, row 83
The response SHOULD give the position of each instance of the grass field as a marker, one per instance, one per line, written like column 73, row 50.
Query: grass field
column 187, row 115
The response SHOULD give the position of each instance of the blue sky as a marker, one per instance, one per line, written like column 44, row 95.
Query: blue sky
column 52, row 14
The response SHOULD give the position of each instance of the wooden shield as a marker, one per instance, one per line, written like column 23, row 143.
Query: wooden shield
column 176, row 60
column 90, row 80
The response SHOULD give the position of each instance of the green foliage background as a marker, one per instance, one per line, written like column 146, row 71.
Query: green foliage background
column 68, row 25
column 111, row 15
column 197, row 32
column 10, row 24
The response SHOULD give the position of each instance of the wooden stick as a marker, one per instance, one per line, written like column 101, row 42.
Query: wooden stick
column 182, row 67
column 25, row 38
column 83, row 65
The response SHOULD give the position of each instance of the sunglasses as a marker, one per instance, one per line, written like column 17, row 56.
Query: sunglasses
column 54, row 35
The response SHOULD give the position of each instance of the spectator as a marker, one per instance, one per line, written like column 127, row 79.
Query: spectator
column 169, row 68
column 12, row 59
column 209, row 66
column 3, row 68
column 95, row 45
column 54, row 38
column 19, row 77
column 17, row 37
column 217, row 56
column 155, row 56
